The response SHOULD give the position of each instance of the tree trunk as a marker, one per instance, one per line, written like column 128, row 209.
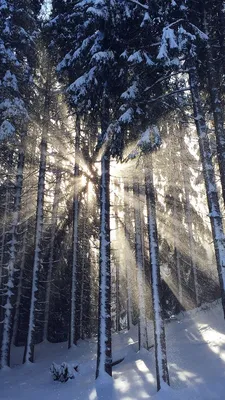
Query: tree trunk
column 118, row 328
column 19, row 290
column 3, row 238
column 29, row 348
column 162, row 375
column 209, row 178
column 76, row 206
column 138, row 213
column 83, row 274
column 216, row 104
column 51, row 251
column 126, row 262
column 10, row 285
column 104, row 352
column 117, row 255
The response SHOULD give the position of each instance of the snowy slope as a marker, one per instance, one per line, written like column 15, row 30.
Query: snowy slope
column 196, row 354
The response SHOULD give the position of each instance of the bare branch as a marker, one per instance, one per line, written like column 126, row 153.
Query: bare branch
column 139, row 4
column 169, row 94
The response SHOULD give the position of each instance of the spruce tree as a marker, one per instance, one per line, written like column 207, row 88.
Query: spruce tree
column 18, row 58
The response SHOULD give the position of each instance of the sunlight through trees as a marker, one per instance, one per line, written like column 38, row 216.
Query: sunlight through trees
column 112, row 173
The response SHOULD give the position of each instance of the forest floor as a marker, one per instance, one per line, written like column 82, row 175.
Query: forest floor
column 196, row 357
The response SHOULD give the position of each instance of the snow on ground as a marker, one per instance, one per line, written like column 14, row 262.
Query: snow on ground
column 196, row 355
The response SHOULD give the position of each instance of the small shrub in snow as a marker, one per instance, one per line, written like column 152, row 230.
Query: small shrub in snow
column 63, row 372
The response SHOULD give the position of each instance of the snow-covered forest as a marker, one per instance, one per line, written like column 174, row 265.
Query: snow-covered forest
column 112, row 194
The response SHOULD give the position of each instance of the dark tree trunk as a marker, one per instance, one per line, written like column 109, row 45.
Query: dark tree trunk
column 104, row 351
column 214, row 87
column 128, row 265
column 51, row 251
column 76, row 207
column 162, row 375
column 30, row 342
column 209, row 178
column 139, row 247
